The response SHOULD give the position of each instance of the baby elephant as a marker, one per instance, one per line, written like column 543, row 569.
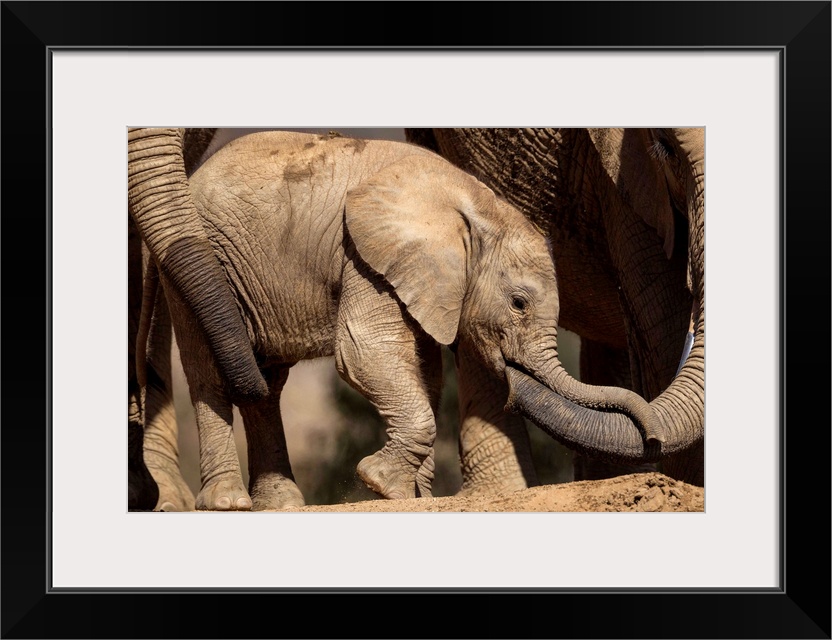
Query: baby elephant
column 376, row 252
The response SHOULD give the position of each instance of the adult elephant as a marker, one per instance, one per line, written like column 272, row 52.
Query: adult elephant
column 624, row 209
column 164, row 221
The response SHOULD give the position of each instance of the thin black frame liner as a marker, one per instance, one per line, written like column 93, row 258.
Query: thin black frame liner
column 799, row 31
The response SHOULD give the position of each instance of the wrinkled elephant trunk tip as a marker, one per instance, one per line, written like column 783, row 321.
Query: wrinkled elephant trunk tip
column 654, row 434
column 644, row 415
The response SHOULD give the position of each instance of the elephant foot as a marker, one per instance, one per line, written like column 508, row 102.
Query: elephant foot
column 388, row 476
column 481, row 489
column 275, row 491
column 481, row 484
column 499, row 474
column 223, row 494
column 142, row 490
column 174, row 492
column 424, row 477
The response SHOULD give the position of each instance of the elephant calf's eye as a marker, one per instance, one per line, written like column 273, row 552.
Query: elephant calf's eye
column 518, row 303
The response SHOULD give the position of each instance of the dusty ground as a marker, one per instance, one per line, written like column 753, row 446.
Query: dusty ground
column 309, row 416
column 637, row 492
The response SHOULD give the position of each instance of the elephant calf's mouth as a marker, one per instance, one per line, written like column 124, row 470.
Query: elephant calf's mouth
column 610, row 400
column 515, row 374
column 521, row 369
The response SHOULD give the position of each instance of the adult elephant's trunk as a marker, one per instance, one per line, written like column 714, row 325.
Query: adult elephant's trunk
column 613, row 434
column 607, row 432
column 531, row 385
column 162, row 207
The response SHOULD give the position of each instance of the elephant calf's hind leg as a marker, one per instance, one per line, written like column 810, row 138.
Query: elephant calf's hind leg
column 271, row 482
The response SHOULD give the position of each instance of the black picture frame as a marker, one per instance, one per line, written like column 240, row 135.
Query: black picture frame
column 799, row 608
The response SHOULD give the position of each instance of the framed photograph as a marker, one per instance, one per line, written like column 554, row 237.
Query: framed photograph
column 754, row 75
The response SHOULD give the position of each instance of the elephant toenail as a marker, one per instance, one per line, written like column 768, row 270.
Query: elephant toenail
column 243, row 503
column 224, row 503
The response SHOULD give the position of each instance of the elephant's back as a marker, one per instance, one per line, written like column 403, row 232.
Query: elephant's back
column 303, row 154
column 290, row 186
column 272, row 204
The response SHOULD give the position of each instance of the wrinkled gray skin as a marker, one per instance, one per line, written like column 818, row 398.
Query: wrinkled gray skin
column 159, row 161
column 375, row 252
column 160, row 448
column 624, row 209
column 161, row 206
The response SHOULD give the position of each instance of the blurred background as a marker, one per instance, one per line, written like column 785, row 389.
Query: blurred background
column 330, row 427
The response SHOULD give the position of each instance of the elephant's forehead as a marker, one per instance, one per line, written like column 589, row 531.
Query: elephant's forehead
column 528, row 250
column 519, row 267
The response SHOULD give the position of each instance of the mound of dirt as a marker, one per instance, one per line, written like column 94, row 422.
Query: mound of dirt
column 636, row 492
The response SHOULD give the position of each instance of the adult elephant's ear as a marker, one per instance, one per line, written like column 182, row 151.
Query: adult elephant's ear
column 635, row 160
column 410, row 223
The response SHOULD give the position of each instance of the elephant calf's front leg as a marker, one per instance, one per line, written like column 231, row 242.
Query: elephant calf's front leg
column 494, row 445
column 222, row 481
column 397, row 368
column 219, row 465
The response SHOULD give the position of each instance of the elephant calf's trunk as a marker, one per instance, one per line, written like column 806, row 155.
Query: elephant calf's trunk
column 602, row 399
column 578, row 427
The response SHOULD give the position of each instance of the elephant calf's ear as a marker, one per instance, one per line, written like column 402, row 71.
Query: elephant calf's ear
column 406, row 225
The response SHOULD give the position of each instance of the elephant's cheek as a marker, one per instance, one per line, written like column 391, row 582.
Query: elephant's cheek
column 498, row 366
column 512, row 346
column 492, row 358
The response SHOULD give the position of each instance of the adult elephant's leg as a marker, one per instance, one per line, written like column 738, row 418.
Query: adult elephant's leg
column 688, row 466
column 603, row 365
column 494, row 445
column 271, row 481
column 424, row 137
column 161, row 449
column 142, row 492
column 195, row 143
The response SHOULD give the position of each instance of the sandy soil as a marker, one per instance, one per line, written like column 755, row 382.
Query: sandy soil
column 309, row 415
column 312, row 424
column 637, row 492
